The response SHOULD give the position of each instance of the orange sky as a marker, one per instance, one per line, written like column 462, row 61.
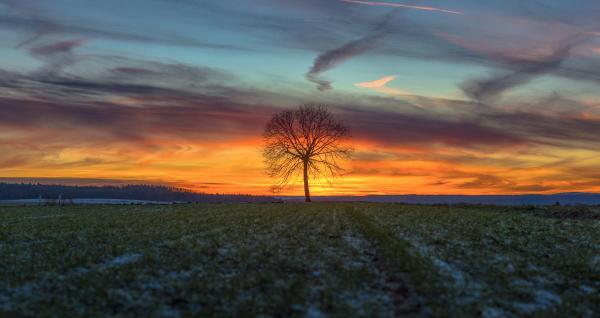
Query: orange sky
column 237, row 167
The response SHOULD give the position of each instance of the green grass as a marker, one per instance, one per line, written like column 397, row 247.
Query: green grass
column 336, row 259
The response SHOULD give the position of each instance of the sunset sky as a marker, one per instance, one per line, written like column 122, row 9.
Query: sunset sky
column 442, row 96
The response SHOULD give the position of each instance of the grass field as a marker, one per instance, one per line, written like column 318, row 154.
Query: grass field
column 314, row 260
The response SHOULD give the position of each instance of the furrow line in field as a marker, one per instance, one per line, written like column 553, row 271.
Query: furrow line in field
column 395, row 261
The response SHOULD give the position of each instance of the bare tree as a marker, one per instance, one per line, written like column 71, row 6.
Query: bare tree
column 309, row 142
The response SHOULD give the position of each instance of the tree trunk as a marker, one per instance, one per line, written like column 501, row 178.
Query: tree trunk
column 306, row 190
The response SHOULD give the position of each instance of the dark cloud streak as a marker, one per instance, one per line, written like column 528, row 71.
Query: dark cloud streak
column 32, row 19
column 395, row 128
column 57, row 56
column 331, row 58
column 522, row 72
column 217, row 106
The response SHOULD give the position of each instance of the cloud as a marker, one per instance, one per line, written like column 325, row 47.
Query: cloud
column 98, row 76
column 102, row 124
column 332, row 58
column 399, row 5
column 57, row 56
column 531, row 188
column 29, row 16
column 397, row 128
column 522, row 71
column 58, row 47
column 497, row 184
column 112, row 99
column 556, row 130
column 487, row 182
column 136, row 71
column 379, row 85
column 34, row 19
column 516, row 53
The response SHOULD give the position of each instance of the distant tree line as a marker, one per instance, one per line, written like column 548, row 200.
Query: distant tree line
column 17, row 191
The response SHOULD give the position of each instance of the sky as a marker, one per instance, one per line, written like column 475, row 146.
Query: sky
column 442, row 97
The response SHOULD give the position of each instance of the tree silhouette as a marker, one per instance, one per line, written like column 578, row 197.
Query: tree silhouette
column 309, row 142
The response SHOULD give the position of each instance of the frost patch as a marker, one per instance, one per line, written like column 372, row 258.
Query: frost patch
column 547, row 299
column 353, row 241
column 121, row 260
column 521, row 284
column 353, row 265
column 543, row 300
column 169, row 312
column 4, row 304
column 226, row 250
column 357, row 243
column 421, row 248
column 314, row 312
column 595, row 262
column 491, row 312
column 587, row 289
column 469, row 289
column 360, row 300
column 45, row 216
column 448, row 270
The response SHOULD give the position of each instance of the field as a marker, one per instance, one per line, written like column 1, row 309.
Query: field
column 313, row 260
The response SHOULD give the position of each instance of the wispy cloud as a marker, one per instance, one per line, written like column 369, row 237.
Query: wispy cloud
column 34, row 20
column 379, row 85
column 400, row 5
column 57, row 56
column 521, row 72
column 334, row 57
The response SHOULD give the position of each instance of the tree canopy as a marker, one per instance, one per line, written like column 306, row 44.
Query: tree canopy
column 309, row 142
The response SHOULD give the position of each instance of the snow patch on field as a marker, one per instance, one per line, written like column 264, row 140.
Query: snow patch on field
column 595, row 262
column 587, row 289
column 121, row 260
column 492, row 312
column 4, row 303
column 543, row 300
column 354, row 241
column 45, row 216
column 450, row 271
column 227, row 250
column 314, row 312
column 469, row 287
column 31, row 288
